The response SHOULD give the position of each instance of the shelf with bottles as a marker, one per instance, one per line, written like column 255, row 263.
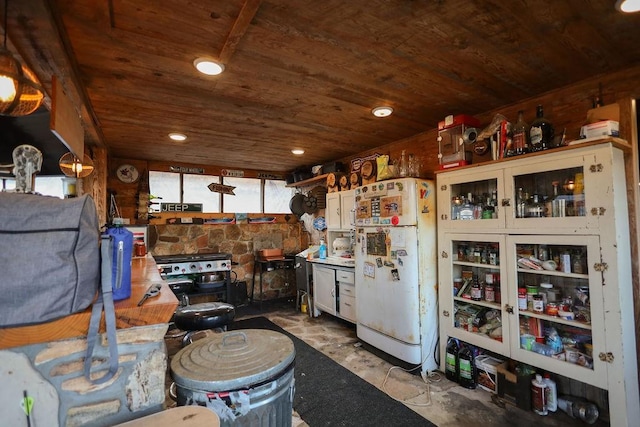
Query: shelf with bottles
column 555, row 193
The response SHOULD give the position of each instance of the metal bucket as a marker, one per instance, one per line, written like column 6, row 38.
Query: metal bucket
column 244, row 376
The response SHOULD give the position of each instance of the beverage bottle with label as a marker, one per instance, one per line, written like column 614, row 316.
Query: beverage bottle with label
column 467, row 367
column 451, row 360
column 541, row 132
column 322, row 251
column 520, row 136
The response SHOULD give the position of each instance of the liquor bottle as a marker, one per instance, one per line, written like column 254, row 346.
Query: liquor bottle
column 451, row 360
column 541, row 132
column 521, row 203
column 520, row 135
column 403, row 169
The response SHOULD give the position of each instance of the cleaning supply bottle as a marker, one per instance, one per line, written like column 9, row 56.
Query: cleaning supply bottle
column 322, row 252
column 552, row 392
column 452, row 367
column 539, row 395
column 467, row 367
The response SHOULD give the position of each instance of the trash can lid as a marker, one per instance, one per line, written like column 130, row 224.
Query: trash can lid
column 232, row 360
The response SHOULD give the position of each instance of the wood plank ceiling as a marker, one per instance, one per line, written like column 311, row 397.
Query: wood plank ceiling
column 306, row 73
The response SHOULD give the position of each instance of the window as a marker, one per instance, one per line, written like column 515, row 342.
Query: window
column 247, row 195
column 247, row 198
column 277, row 196
column 45, row 185
column 196, row 190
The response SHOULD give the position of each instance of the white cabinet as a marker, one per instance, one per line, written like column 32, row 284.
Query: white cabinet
column 546, row 282
column 339, row 210
column 324, row 289
column 334, row 291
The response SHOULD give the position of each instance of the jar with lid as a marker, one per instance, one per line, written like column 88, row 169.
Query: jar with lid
column 489, row 293
column 538, row 304
column 476, row 291
column 552, row 309
column 551, row 294
column 457, row 284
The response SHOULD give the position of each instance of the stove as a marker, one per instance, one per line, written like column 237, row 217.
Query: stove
column 180, row 264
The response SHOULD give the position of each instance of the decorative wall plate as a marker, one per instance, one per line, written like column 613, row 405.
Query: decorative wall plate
column 127, row 173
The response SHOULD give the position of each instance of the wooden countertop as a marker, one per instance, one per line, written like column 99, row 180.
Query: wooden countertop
column 144, row 272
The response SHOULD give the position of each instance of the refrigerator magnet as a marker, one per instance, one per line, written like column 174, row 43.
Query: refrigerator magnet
column 395, row 275
column 400, row 262
column 389, row 264
column 379, row 262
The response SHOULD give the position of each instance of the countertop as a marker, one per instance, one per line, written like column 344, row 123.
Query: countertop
column 156, row 310
column 338, row 261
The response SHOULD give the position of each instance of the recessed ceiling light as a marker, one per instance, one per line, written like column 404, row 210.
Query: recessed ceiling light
column 628, row 6
column 208, row 66
column 382, row 111
column 177, row 136
column 297, row 151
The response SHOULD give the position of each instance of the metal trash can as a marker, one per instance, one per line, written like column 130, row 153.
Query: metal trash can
column 244, row 376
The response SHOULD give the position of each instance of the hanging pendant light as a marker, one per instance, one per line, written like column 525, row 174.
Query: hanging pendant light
column 20, row 92
column 72, row 166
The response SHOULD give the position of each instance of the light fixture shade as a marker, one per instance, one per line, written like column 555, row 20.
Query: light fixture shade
column 20, row 92
column 628, row 6
column 383, row 111
column 208, row 66
column 70, row 165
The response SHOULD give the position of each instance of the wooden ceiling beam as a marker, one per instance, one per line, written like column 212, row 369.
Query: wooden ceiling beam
column 245, row 17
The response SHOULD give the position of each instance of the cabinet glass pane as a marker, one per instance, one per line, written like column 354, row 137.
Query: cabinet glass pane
column 476, row 288
column 474, row 200
column 553, row 302
column 556, row 193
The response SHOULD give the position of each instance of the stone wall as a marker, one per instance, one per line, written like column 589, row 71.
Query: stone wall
column 241, row 241
column 52, row 375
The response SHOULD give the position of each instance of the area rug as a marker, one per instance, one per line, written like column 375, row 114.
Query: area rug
column 327, row 394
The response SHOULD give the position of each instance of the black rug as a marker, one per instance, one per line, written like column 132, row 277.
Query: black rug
column 328, row 394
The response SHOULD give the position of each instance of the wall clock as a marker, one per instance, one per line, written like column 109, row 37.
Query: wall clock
column 127, row 173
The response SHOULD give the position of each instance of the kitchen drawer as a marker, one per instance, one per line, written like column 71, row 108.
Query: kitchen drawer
column 348, row 307
column 345, row 276
column 346, row 290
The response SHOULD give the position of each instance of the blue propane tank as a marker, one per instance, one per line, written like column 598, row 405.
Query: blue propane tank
column 122, row 248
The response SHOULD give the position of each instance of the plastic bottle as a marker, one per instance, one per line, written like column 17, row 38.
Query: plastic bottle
column 467, row 367
column 552, row 392
column 122, row 251
column 452, row 367
column 322, row 252
column 579, row 409
column 539, row 395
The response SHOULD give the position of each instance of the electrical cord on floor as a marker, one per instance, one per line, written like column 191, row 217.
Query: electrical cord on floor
column 428, row 378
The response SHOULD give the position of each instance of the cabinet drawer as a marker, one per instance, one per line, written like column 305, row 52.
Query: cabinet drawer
column 345, row 276
column 349, row 291
column 348, row 307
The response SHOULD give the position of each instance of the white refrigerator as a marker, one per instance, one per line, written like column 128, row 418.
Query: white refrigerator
column 396, row 277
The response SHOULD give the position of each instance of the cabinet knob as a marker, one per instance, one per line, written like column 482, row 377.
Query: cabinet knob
column 443, row 216
column 444, row 255
column 506, row 202
column 445, row 313
column 508, row 308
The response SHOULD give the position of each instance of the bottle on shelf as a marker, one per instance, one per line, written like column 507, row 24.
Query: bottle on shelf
column 552, row 392
column 467, row 367
column 322, row 251
column 521, row 203
column 402, row 166
column 539, row 395
column 520, row 136
column 579, row 409
column 451, row 360
column 541, row 132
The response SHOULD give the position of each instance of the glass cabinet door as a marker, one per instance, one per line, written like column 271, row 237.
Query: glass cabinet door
column 471, row 200
column 558, row 305
column 471, row 291
column 554, row 194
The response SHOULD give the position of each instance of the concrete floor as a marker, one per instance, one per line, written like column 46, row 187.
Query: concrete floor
column 438, row 400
